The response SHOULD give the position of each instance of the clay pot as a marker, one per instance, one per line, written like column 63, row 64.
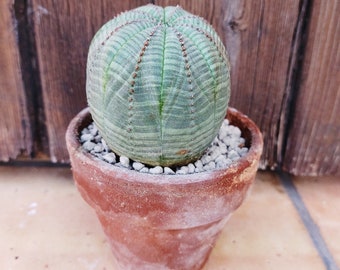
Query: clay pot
column 163, row 221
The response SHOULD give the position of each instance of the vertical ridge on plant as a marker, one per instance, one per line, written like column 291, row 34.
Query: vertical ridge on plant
column 158, row 84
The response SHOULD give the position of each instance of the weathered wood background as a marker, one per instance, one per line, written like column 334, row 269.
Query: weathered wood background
column 285, row 73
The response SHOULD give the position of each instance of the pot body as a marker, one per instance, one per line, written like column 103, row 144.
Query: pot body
column 162, row 221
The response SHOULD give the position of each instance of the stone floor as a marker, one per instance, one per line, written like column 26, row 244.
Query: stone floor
column 285, row 223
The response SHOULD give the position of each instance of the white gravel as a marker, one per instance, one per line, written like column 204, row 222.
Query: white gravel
column 227, row 147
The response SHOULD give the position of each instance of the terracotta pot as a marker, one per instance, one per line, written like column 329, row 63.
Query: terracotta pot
column 163, row 221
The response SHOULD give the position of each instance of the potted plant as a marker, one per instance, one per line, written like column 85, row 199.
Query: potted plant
column 158, row 84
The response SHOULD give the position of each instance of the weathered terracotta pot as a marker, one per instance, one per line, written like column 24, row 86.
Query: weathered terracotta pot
column 163, row 221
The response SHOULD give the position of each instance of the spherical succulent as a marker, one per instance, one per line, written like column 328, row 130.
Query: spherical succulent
column 158, row 84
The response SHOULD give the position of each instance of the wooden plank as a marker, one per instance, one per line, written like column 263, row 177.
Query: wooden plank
column 259, row 38
column 63, row 31
column 313, row 146
column 15, row 135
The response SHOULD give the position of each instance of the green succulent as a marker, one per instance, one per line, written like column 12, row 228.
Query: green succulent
column 158, row 84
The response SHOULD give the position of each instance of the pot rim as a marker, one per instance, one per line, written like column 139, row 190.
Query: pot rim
column 251, row 159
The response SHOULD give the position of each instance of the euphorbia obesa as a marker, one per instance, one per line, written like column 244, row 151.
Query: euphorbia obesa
column 158, row 84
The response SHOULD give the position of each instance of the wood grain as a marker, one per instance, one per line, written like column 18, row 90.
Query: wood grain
column 313, row 146
column 259, row 38
column 15, row 135
column 63, row 32
column 296, row 106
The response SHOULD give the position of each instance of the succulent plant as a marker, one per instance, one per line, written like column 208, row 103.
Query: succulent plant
column 158, row 84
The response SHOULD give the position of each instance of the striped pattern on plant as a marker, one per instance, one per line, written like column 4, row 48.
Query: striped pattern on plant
column 158, row 84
